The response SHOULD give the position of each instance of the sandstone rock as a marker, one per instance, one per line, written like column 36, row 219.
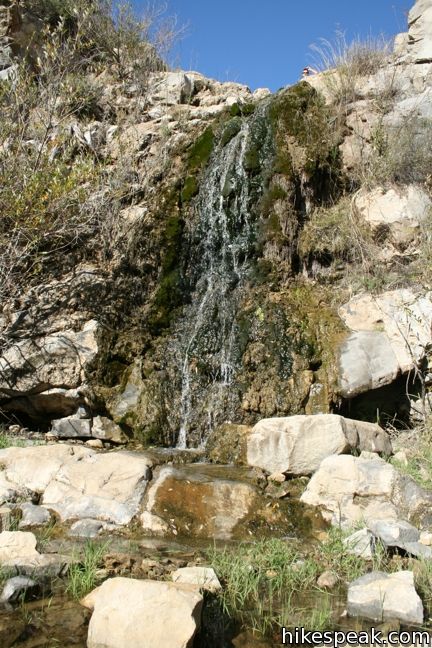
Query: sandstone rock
column 395, row 215
column 298, row 444
column 105, row 486
column 32, row 468
column 360, row 543
column 159, row 615
column 391, row 333
column 97, row 444
column 394, row 533
column 202, row 577
column 426, row 538
column 16, row 545
column 105, row 429
column 419, row 46
column 154, row 525
column 170, row 88
column 327, row 580
column 78, row 482
column 379, row 597
column 194, row 504
column 33, row 516
column 71, row 427
column 349, row 489
column 18, row 550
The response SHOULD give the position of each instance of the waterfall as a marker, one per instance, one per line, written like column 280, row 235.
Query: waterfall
column 222, row 241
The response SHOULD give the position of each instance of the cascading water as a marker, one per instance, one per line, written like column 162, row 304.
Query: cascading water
column 223, row 243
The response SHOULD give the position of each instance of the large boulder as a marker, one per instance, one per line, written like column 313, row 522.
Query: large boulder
column 297, row 444
column 32, row 468
column 77, row 482
column 130, row 613
column 104, row 486
column 170, row 88
column 394, row 215
column 380, row 597
column 390, row 335
column 351, row 489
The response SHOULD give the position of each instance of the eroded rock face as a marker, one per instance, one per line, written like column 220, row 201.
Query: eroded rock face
column 297, row 444
column 390, row 333
column 159, row 615
column 416, row 45
column 394, row 215
column 348, row 489
column 57, row 360
column 379, row 597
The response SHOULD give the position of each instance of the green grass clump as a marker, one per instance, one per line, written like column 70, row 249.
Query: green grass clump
column 82, row 574
column 7, row 441
column 259, row 581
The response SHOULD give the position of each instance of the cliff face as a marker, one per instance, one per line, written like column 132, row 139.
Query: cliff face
column 195, row 253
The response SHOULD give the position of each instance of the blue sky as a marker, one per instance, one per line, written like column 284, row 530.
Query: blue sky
column 266, row 43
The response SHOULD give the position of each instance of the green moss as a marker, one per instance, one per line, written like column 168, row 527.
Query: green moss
column 251, row 160
column 231, row 129
column 169, row 295
column 190, row 189
column 242, row 110
column 201, row 150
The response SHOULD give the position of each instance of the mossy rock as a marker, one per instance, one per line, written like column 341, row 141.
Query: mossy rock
column 227, row 444
column 201, row 150
column 231, row 129
column 190, row 189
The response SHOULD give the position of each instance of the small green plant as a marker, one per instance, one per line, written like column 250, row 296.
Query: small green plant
column 82, row 573
column 8, row 441
column 260, row 581
column 334, row 555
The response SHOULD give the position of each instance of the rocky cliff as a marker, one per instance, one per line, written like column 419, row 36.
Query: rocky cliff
column 189, row 253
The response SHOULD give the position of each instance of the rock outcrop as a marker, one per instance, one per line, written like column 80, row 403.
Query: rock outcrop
column 77, row 482
column 416, row 45
column 390, row 336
